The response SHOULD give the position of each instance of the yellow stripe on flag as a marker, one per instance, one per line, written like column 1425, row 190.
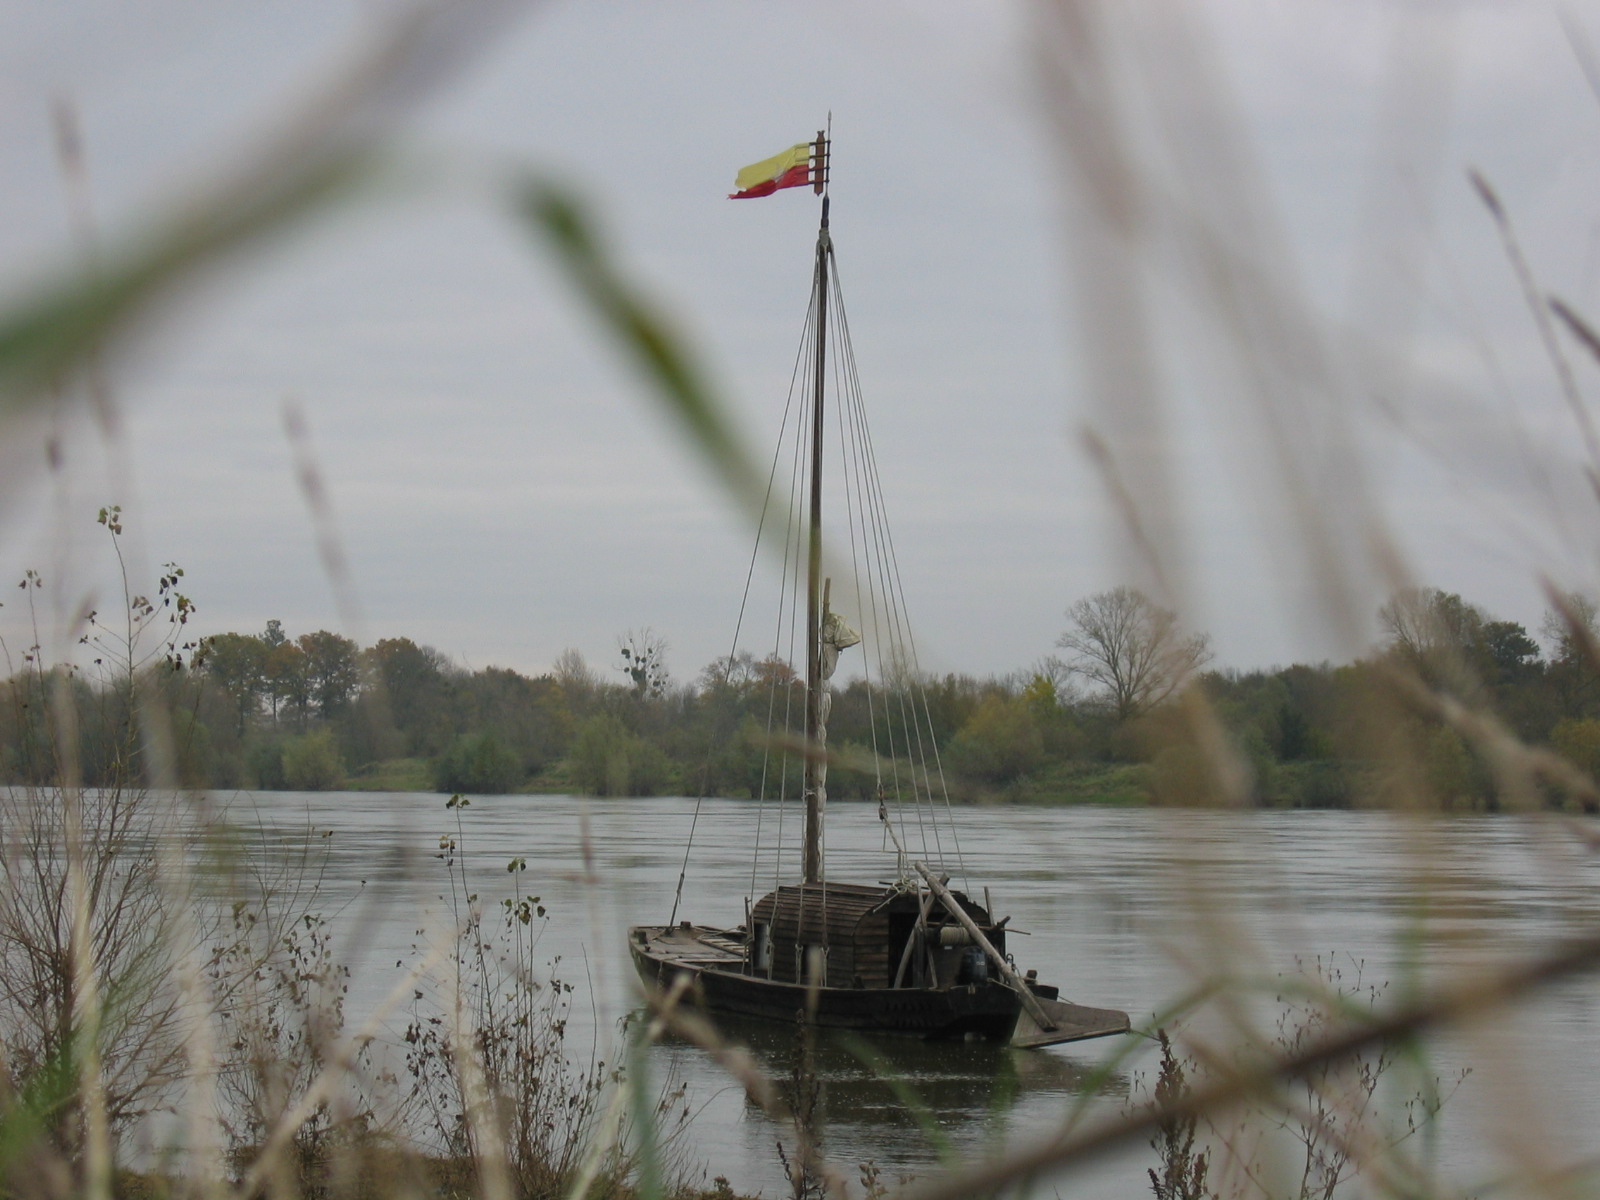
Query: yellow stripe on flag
column 772, row 168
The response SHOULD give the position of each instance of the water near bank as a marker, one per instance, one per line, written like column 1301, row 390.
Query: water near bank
column 1122, row 906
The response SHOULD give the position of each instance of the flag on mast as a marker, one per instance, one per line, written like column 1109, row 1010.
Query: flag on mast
column 790, row 169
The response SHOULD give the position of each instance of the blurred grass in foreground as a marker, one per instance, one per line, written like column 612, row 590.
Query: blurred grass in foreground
column 140, row 998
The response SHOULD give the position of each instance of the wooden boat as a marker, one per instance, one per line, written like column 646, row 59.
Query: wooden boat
column 912, row 956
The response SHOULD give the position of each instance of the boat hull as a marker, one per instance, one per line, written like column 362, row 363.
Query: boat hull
column 984, row 1010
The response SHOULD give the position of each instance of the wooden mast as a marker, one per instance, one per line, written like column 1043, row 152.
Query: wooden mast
column 815, row 772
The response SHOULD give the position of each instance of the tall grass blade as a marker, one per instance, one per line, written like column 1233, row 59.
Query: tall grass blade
column 328, row 148
column 1467, row 999
column 641, row 333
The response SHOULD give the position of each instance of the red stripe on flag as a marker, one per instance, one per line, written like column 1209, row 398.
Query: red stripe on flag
column 796, row 176
column 755, row 193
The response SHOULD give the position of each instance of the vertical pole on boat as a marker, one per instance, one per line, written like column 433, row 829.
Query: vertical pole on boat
column 816, row 798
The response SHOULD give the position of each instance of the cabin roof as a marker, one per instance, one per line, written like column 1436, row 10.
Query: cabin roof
column 854, row 898
column 843, row 905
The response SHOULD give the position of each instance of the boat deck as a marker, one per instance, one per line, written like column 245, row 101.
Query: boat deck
column 699, row 947
column 1073, row 1023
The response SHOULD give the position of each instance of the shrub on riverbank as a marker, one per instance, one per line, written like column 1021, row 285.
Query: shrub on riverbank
column 312, row 763
column 478, row 765
column 608, row 759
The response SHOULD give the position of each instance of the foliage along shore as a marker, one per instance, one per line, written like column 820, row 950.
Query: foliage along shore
column 1104, row 724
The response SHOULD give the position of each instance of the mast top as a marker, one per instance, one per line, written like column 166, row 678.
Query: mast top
column 820, row 150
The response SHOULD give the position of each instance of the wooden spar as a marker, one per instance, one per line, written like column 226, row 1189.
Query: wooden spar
column 1007, row 971
column 811, row 864
column 911, row 941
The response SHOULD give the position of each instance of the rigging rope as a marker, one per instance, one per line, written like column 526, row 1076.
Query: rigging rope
column 889, row 562
column 902, row 731
column 738, row 627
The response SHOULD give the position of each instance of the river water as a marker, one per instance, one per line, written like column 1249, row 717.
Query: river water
column 1124, row 908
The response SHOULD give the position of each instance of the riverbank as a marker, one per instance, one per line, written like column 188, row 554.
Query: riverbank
column 1327, row 784
column 1117, row 785
column 1318, row 784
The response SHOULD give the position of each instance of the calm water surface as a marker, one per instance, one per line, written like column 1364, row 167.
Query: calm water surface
column 1124, row 908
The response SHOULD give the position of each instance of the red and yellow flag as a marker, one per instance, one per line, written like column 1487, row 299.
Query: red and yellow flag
column 790, row 169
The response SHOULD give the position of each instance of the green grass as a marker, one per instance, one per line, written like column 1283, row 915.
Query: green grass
column 554, row 780
column 393, row 775
column 1119, row 785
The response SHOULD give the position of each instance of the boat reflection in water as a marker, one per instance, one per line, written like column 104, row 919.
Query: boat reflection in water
column 869, row 1088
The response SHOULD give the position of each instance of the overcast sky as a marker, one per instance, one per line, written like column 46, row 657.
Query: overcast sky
column 503, row 486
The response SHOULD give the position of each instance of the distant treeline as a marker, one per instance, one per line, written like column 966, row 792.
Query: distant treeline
column 1128, row 713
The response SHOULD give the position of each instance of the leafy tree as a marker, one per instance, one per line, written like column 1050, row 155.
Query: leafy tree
column 1313, row 735
column 286, row 682
column 729, row 673
column 410, row 689
column 940, row 706
column 333, row 673
column 1512, row 666
column 530, row 717
column 1296, row 738
column 1053, row 675
column 1136, row 651
column 1041, row 697
column 1578, row 739
column 774, row 672
column 1000, row 742
column 30, row 754
column 1509, row 656
column 236, row 663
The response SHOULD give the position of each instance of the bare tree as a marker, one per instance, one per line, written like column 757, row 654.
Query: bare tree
column 94, row 923
column 1454, row 645
column 1573, row 630
column 1134, row 649
column 643, row 655
column 573, row 672
column 580, row 682
column 1569, row 627
column 1431, row 629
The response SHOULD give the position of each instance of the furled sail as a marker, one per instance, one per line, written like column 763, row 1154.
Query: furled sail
column 835, row 636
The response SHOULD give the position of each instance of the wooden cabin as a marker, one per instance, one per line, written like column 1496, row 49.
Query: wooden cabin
column 865, row 934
